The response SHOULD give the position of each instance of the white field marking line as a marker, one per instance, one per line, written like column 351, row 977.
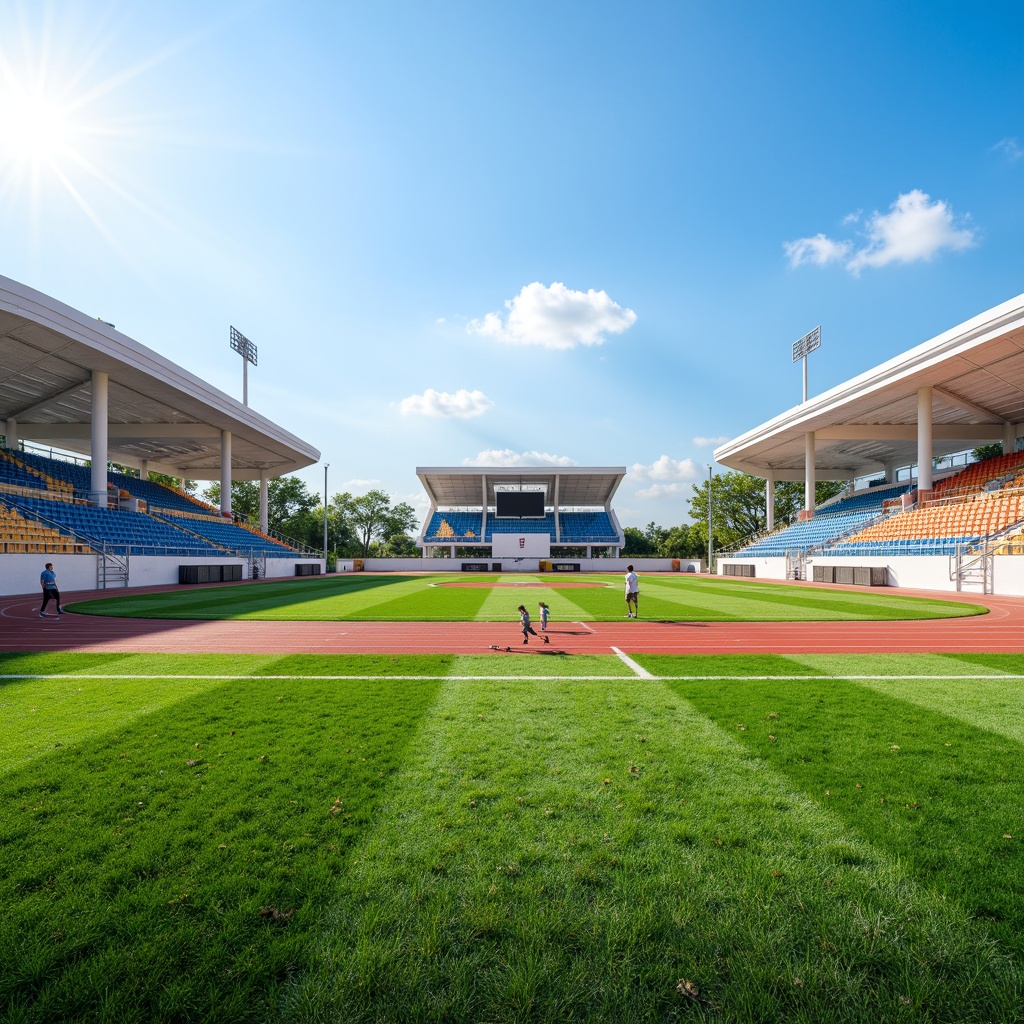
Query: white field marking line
column 377, row 678
column 1010, row 676
column 637, row 670
column 585, row 626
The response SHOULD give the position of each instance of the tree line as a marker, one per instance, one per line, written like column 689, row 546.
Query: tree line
column 371, row 525
column 739, row 510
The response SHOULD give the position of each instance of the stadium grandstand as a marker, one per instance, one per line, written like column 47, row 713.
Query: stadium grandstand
column 521, row 514
column 919, row 509
column 77, row 396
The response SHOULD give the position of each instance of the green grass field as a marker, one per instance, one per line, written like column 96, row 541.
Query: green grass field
column 440, row 838
column 448, row 599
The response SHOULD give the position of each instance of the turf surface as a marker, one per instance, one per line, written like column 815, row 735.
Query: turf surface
column 447, row 599
column 740, row 838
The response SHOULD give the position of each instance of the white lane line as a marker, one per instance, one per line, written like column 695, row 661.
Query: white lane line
column 585, row 626
column 636, row 669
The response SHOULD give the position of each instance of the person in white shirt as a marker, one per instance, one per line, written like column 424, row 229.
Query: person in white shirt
column 632, row 594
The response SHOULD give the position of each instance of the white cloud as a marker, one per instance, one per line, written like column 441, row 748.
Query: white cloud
column 360, row 485
column 1010, row 148
column 709, row 442
column 507, row 457
column 665, row 468
column 555, row 317
column 660, row 491
column 818, row 250
column 915, row 228
column 462, row 405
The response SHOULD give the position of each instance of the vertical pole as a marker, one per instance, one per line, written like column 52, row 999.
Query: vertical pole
column 769, row 501
column 264, row 502
column 805, row 378
column 710, row 541
column 98, row 438
column 327, row 466
column 245, row 380
column 809, row 474
column 225, row 472
column 924, row 439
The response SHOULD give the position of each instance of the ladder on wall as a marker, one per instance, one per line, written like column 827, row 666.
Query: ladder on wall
column 796, row 565
column 973, row 569
column 111, row 570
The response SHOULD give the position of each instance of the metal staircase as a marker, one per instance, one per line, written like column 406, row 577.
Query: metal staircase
column 111, row 570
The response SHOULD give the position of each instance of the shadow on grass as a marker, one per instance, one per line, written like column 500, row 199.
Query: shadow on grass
column 942, row 796
column 143, row 867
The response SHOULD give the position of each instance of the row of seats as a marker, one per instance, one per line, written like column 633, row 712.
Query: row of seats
column 16, row 473
column 468, row 527
column 133, row 533
column 977, row 516
column 230, row 535
column 19, row 535
column 977, row 474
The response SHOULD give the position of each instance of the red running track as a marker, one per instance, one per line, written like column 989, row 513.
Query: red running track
column 21, row 629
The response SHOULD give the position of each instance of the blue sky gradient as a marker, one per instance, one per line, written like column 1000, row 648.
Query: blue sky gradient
column 369, row 191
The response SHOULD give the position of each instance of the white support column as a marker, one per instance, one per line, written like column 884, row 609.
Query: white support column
column 1009, row 438
column 809, row 479
column 11, row 433
column 483, row 505
column 98, row 439
column 144, row 469
column 225, row 472
column 769, row 501
column 558, row 518
column 924, row 439
column 264, row 502
column 890, row 472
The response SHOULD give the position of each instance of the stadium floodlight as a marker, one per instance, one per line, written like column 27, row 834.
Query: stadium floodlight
column 804, row 347
column 247, row 350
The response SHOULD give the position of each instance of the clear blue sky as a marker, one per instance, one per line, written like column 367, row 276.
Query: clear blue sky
column 522, row 232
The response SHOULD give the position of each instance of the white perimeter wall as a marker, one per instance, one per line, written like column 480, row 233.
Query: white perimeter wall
column 19, row 574
column 523, row 564
column 917, row 572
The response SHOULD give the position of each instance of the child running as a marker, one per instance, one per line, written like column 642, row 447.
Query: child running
column 545, row 611
column 524, row 618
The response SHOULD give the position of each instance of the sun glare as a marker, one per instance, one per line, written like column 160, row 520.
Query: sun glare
column 35, row 130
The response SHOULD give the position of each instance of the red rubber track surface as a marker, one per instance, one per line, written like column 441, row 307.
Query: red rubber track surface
column 21, row 629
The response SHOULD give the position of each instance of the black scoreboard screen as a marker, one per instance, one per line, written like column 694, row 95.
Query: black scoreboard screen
column 519, row 504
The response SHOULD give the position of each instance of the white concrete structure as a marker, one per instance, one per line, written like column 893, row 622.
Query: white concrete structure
column 75, row 383
column 959, row 390
column 474, row 489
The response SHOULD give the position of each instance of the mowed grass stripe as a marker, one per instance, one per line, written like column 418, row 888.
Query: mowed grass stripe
column 375, row 598
column 554, row 851
column 933, row 790
column 145, row 856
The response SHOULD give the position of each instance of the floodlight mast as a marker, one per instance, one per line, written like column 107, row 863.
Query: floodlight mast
column 247, row 350
column 804, row 347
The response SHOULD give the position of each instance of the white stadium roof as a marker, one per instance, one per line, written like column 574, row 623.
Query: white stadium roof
column 975, row 371
column 157, row 411
column 575, row 486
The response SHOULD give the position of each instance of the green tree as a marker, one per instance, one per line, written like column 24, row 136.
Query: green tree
column 176, row 482
column 638, row 544
column 986, row 451
column 291, row 509
column 373, row 517
column 739, row 509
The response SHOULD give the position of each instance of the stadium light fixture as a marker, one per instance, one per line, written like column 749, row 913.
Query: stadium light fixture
column 247, row 350
column 804, row 347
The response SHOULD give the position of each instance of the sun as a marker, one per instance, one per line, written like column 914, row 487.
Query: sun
column 35, row 130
